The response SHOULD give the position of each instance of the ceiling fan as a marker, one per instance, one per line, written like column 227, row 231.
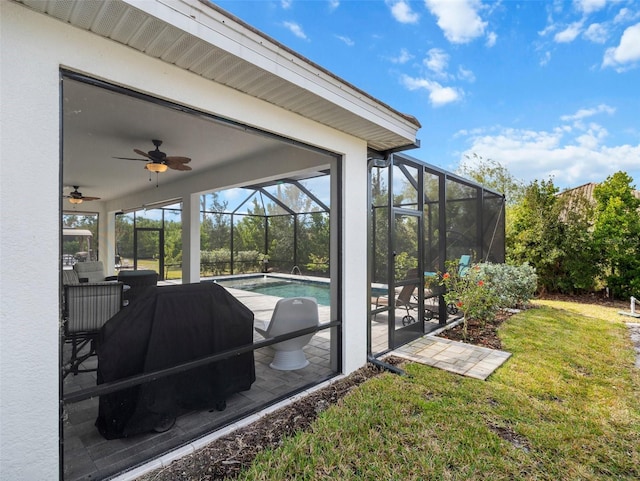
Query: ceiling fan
column 76, row 197
column 158, row 161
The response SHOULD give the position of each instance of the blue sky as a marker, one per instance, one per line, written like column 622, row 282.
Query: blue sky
column 546, row 88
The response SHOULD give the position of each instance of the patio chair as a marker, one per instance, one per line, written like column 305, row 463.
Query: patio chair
column 404, row 299
column 86, row 308
column 464, row 264
column 92, row 271
column 69, row 276
column 138, row 282
column 291, row 314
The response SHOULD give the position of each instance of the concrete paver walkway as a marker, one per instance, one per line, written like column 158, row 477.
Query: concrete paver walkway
column 453, row 356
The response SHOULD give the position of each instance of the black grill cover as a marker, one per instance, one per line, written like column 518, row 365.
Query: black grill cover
column 165, row 327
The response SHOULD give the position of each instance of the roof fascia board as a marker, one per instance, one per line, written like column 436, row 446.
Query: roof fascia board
column 208, row 23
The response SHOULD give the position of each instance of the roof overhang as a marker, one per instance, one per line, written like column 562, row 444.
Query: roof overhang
column 198, row 36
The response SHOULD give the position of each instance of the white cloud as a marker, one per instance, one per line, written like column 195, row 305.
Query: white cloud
column 589, row 6
column 546, row 58
column 569, row 34
column 438, row 94
column 295, row 29
column 573, row 153
column 586, row 113
column 464, row 74
column 285, row 4
column 333, row 4
column 627, row 52
column 492, row 37
column 625, row 15
column 403, row 57
column 459, row 20
column 571, row 164
column 402, row 12
column 346, row 40
column 437, row 61
column 596, row 33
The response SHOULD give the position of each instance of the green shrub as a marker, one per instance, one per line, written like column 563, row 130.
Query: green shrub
column 317, row 263
column 216, row 262
column 514, row 286
column 247, row 261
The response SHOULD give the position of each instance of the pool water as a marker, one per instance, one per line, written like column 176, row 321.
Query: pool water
column 287, row 287
column 282, row 288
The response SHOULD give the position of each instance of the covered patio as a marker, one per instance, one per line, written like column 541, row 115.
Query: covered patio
column 89, row 456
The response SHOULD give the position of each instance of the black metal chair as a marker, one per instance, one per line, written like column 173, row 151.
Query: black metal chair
column 138, row 282
column 86, row 308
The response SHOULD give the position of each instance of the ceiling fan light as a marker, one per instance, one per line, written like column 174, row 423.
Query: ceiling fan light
column 75, row 200
column 156, row 167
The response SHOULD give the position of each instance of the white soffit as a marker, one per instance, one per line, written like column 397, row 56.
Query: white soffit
column 198, row 36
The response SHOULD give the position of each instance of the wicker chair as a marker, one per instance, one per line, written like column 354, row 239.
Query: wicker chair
column 92, row 271
column 86, row 308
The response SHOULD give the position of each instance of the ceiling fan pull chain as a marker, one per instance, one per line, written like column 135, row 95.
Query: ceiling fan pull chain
column 156, row 178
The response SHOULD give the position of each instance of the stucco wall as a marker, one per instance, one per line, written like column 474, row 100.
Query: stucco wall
column 33, row 47
column 29, row 227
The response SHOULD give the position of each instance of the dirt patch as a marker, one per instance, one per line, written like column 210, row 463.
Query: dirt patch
column 508, row 434
column 227, row 456
column 596, row 298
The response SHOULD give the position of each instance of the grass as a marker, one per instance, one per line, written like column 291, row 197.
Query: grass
column 565, row 406
column 154, row 265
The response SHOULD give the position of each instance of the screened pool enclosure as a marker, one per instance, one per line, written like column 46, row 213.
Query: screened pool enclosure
column 280, row 226
column 423, row 220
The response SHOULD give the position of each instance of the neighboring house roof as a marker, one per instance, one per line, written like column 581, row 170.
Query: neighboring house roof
column 585, row 191
column 200, row 37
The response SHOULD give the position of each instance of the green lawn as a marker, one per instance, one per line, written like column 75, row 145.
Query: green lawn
column 566, row 406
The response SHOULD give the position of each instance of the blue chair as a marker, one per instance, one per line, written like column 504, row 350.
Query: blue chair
column 464, row 264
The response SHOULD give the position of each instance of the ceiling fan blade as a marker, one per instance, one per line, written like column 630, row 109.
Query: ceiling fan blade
column 178, row 166
column 182, row 160
column 90, row 198
column 144, row 154
column 131, row 158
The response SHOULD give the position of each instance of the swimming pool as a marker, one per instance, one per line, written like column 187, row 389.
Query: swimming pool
column 281, row 287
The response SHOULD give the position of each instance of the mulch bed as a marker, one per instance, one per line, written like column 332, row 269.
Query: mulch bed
column 228, row 455
column 483, row 334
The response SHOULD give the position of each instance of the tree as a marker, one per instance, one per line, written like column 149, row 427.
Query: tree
column 617, row 234
column 581, row 256
column 215, row 228
column 493, row 175
column 535, row 233
column 553, row 238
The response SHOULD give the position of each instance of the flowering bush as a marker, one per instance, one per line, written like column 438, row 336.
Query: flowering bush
column 472, row 293
column 487, row 287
